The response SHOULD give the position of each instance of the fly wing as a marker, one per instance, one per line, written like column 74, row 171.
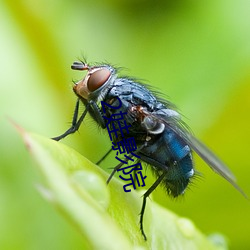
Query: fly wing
column 208, row 156
column 175, row 124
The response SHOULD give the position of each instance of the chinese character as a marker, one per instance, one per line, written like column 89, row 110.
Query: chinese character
column 133, row 168
column 117, row 126
column 110, row 106
column 116, row 120
column 127, row 145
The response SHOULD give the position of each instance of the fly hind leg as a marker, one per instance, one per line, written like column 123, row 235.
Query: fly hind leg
column 145, row 196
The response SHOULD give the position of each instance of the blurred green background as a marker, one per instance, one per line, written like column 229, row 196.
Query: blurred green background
column 196, row 53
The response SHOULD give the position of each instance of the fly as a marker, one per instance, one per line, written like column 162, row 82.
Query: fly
column 162, row 138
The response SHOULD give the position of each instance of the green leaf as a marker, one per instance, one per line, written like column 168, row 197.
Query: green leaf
column 106, row 216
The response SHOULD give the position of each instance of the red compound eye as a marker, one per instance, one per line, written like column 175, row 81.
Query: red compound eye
column 97, row 79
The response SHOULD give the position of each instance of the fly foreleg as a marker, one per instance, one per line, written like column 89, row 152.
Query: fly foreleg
column 75, row 123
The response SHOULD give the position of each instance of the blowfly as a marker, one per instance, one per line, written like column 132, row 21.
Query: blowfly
column 163, row 140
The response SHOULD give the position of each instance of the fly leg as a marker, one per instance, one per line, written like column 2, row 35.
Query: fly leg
column 75, row 124
column 114, row 170
column 119, row 165
column 97, row 113
column 145, row 196
column 104, row 157
column 91, row 107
